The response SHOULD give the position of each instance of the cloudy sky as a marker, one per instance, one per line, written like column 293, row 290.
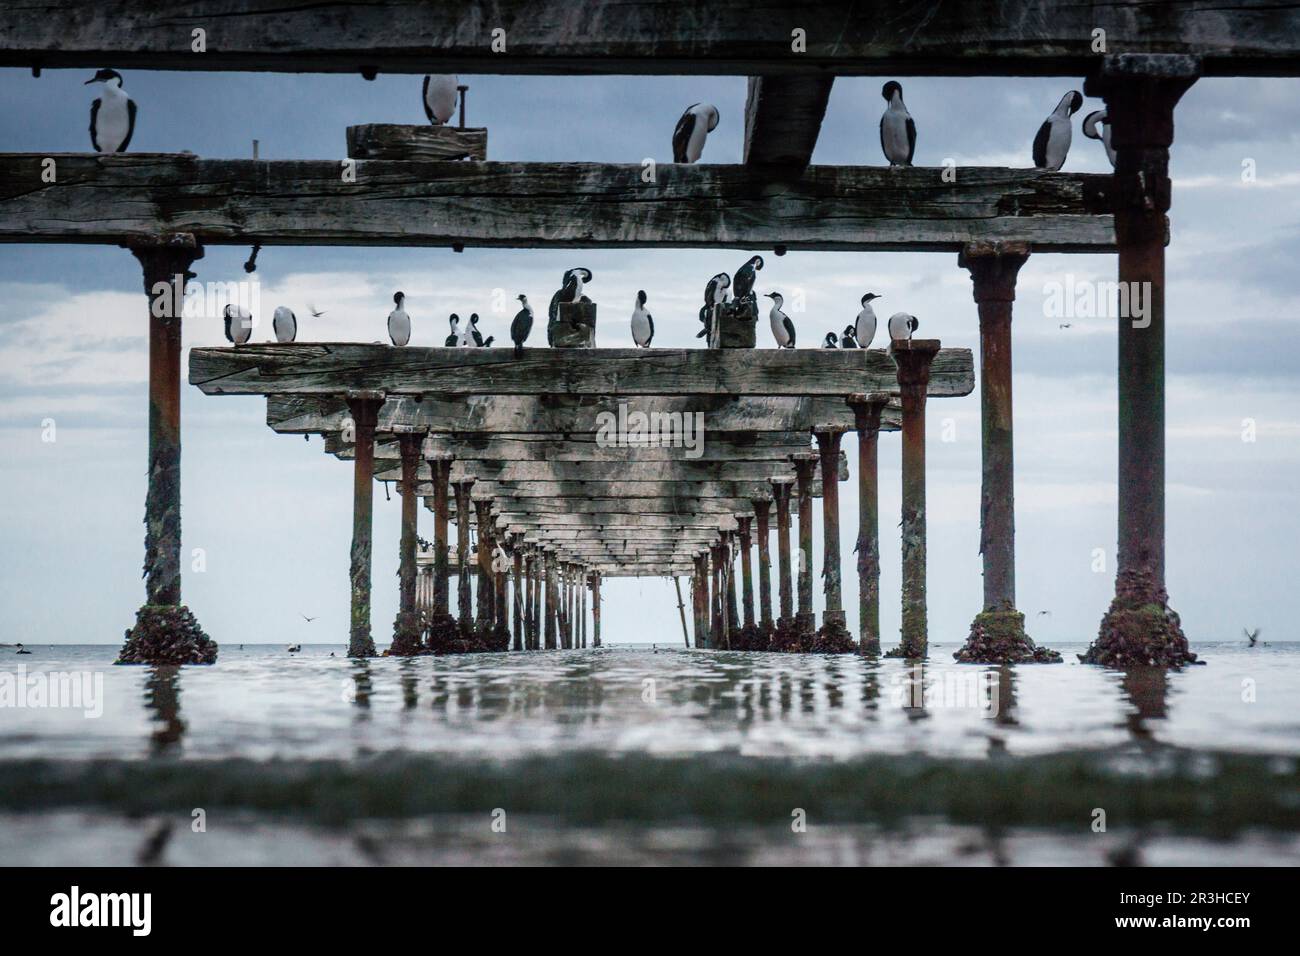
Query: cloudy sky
column 272, row 514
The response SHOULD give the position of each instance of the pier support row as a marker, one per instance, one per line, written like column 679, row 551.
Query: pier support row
column 165, row 631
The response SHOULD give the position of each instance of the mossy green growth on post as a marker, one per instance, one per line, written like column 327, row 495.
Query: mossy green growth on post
column 833, row 637
column 408, row 633
column 167, row 634
column 998, row 637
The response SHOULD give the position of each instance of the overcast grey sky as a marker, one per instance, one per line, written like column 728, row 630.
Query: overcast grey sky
column 272, row 514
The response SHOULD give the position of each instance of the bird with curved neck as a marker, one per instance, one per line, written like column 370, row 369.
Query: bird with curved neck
column 453, row 337
column 742, row 284
column 440, row 97
column 1052, row 143
column 897, row 130
column 1091, row 122
column 699, row 120
column 782, row 327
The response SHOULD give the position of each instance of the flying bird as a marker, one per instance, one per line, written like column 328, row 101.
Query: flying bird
column 239, row 324
column 1090, row 123
column 864, row 327
column 897, row 131
column 306, row 618
column 831, row 341
column 399, row 323
column 315, row 313
column 782, row 327
column 1251, row 636
column 440, row 97
column 285, row 324
column 522, row 325
column 901, row 326
column 743, row 284
column 699, row 120
column 643, row 323
column 112, row 115
column 1053, row 140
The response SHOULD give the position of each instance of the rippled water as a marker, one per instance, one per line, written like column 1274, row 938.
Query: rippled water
column 908, row 762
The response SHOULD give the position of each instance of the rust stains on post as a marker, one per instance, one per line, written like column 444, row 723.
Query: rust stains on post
column 866, row 419
column 484, row 610
column 746, row 569
column 464, row 609
column 828, row 447
column 595, row 609
column 804, row 463
column 781, row 495
column 406, row 633
column 517, row 581
column 440, row 465
column 552, row 596
column 700, row 599
column 731, row 617
column 1141, row 92
column 364, row 408
column 762, row 508
column 913, row 358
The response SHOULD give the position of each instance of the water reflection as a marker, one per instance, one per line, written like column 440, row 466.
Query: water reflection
column 1146, row 689
column 162, row 699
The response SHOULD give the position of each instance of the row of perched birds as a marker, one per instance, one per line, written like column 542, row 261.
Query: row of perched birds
column 239, row 321
column 112, row 122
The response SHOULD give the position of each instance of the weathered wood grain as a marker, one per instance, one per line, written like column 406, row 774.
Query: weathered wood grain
column 630, row 491
column 526, row 421
column 130, row 197
column 583, row 447
column 436, row 143
column 739, row 37
column 331, row 369
column 783, row 117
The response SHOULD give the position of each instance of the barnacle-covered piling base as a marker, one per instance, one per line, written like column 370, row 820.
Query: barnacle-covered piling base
column 998, row 637
column 1140, row 629
column 167, row 634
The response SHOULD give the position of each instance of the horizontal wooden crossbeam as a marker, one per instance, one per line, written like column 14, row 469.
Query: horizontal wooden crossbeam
column 956, row 37
column 134, row 197
column 331, row 369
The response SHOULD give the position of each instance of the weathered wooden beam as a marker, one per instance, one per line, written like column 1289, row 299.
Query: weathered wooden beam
column 392, row 141
column 584, row 449
column 539, row 418
column 783, row 115
column 738, row 37
column 123, row 197
column 322, row 369
column 631, row 520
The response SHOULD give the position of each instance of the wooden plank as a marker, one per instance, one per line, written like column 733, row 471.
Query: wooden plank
column 127, row 197
column 620, row 490
column 334, row 368
column 737, row 37
column 522, row 416
column 584, row 447
column 629, row 521
column 391, row 141
column 783, row 115
column 675, row 505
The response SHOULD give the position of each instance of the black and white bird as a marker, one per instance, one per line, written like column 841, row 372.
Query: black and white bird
column 643, row 323
column 440, row 97
column 743, row 283
column 901, row 326
column 239, row 324
column 1053, row 140
column 476, row 336
column 453, row 337
column 864, row 327
column 570, row 291
column 1099, row 118
column 112, row 115
column 285, row 324
column 399, row 323
column 849, row 340
column 522, row 325
column 782, row 327
column 716, row 293
column 897, row 131
column 699, row 120
column 831, row 341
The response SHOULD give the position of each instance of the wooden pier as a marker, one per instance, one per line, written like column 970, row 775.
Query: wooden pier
column 512, row 446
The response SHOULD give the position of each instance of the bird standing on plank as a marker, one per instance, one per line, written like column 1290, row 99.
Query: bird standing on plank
column 239, row 324
column 112, row 115
column 476, row 335
column 440, row 98
column 901, row 326
column 285, row 324
column 716, row 293
column 782, row 327
column 831, row 341
column 897, row 131
column 643, row 323
column 849, row 340
column 743, row 284
column 453, row 337
column 699, row 120
column 1053, row 140
column 522, row 325
column 864, row 327
column 399, row 323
